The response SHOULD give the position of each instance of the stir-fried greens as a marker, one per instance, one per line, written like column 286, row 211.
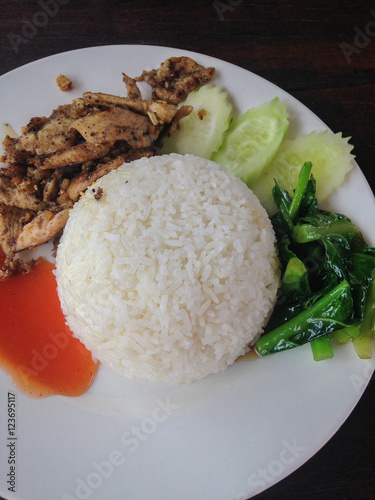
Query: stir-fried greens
column 328, row 286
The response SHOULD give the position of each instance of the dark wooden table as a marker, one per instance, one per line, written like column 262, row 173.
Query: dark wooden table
column 321, row 52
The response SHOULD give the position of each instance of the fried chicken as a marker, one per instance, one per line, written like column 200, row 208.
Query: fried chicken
column 57, row 158
column 176, row 77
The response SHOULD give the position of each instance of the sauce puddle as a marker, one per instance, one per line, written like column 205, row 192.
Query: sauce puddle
column 37, row 349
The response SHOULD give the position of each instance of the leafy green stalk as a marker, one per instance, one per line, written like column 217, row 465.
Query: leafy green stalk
column 363, row 343
column 295, row 281
column 361, row 268
column 303, row 201
column 346, row 334
column 326, row 315
column 322, row 348
column 300, row 190
column 323, row 225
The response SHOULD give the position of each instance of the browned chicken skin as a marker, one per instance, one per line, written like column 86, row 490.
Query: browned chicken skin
column 118, row 124
column 57, row 158
column 80, row 183
column 48, row 135
column 131, row 87
column 176, row 77
column 41, row 229
column 20, row 194
column 11, row 223
column 75, row 154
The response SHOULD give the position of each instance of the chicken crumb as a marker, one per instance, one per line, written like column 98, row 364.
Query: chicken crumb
column 202, row 113
column 98, row 194
column 64, row 83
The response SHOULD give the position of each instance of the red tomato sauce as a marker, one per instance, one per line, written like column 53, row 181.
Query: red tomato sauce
column 37, row 349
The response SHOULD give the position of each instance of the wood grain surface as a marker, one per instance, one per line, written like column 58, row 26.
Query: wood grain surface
column 321, row 52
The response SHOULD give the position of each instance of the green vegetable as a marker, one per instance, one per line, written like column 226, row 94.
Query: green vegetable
column 335, row 233
column 295, row 282
column 201, row 132
column 346, row 334
column 296, row 202
column 329, row 153
column 252, row 140
column 328, row 286
column 322, row 348
column 363, row 342
column 327, row 314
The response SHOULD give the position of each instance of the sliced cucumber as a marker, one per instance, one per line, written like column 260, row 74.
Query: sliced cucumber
column 329, row 153
column 252, row 140
column 201, row 132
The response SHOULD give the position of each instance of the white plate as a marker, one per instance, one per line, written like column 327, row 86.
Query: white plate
column 226, row 437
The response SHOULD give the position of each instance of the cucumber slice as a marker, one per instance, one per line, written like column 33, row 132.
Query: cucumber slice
column 252, row 140
column 330, row 155
column 201, row 133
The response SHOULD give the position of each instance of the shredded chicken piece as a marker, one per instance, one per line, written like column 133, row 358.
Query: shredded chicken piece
column 41, row 229
column 75, row 154
column 52, row 186
column 131, row 87
column 10, row 227
column 46, row 136
column 21, row 194
column 14, row 158
column 80, row 183
column 176, row 77
column 173, row 125
column 116, row 124
column 163, row 111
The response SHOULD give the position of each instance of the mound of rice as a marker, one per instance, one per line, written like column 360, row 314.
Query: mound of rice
column 170, row 272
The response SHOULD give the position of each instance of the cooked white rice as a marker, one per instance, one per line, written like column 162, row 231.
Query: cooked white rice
column 171, row 274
